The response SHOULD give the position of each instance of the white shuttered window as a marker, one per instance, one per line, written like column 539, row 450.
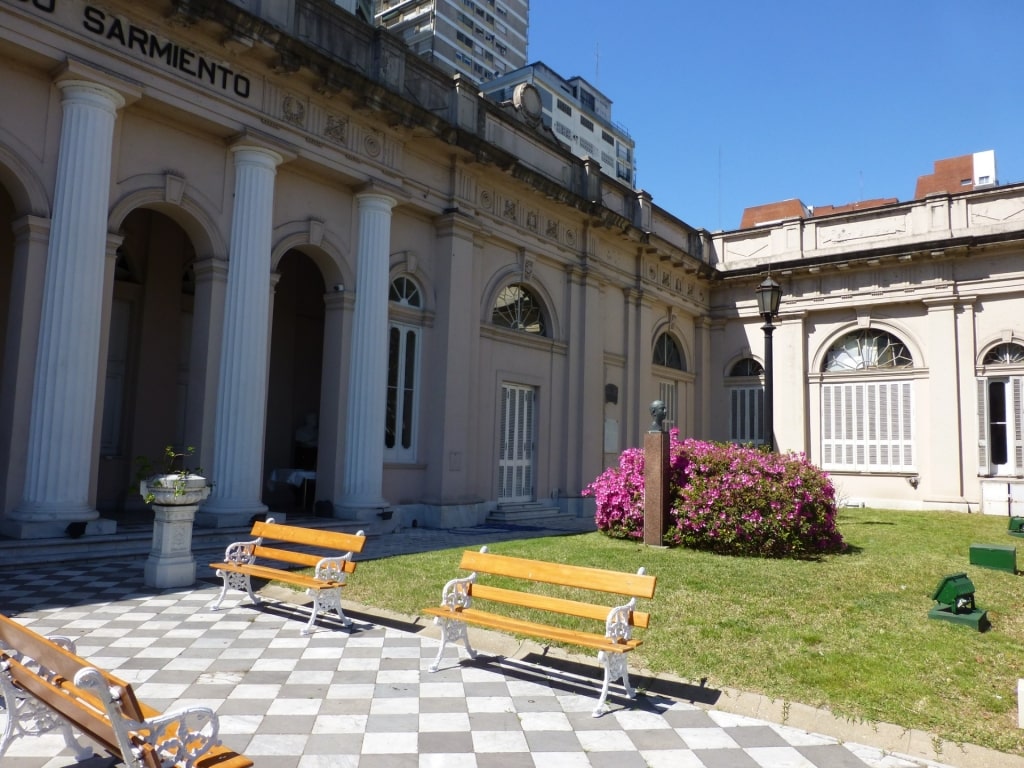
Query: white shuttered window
column 868, row 426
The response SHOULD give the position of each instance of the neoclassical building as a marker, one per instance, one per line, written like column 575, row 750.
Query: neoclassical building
column 297, row 247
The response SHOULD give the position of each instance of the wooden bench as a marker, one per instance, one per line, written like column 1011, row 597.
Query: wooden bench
column 324, row 586
column 460, row 598
column 46, row 687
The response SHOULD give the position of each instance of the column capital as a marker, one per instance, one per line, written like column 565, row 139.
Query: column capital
column 381, row 190
column 257, row 144
column 76, row 74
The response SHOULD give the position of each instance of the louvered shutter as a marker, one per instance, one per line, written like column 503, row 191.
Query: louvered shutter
column 907, row 420
column 984, row 464
column 1017, row 418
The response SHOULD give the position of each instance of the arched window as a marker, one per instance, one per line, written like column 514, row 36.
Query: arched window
column 1005, row 354
column 667, row 354
column 867, row 414
column 517, row 307
column 746, row 367
column 746, row 401
column 1000, row 398
column 403, row 373
column 868, row 348
column 405, row 292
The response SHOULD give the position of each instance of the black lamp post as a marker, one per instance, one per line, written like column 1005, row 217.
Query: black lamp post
column 769, row 296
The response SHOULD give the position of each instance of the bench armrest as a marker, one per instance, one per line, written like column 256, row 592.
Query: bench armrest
column 618, row 626
column 178, row 738
column 241, row 552
column 333, row 568
column 456, row 593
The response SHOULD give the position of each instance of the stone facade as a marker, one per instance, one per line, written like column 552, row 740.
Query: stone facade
column 221, row 224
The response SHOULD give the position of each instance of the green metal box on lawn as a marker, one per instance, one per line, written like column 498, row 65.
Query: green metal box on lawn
column 955, row 597
column 997, row 556
column 1016, row 527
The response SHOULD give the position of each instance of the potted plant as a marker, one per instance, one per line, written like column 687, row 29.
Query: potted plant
column 174, row 484
column 175, row 492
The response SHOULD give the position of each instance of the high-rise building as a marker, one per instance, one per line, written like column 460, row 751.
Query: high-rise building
column 578, row 114
column 481, row 39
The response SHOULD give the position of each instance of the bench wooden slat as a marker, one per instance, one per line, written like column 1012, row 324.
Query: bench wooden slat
column 50, row 655
column 297, row 558
column 597, row 579
column 313, row 537
column 275, row 574
column 534, row 629
column 551, row 603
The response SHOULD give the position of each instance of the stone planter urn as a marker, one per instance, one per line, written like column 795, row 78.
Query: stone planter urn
column 175, row 497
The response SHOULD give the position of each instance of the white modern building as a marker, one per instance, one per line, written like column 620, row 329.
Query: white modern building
column 481, row 39
column 577, row 113
column 224, row 229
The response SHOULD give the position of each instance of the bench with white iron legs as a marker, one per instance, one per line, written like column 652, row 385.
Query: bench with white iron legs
column 331, row 561
column 461, row 598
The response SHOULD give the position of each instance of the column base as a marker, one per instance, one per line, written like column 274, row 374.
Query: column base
column 380, row 515
column 213, row 515
column 56, row 529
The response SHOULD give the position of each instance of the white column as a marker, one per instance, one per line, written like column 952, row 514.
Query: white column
column 368, row 365
column 62, row 422
column 237, row 467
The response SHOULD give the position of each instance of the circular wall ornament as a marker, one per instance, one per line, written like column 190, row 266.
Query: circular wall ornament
column 372, row 145
column 526, row 98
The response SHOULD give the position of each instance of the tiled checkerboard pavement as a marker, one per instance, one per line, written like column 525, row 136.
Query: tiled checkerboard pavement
column 363, row 697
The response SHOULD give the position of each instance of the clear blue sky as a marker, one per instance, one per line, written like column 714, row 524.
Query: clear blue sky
column 736, row 103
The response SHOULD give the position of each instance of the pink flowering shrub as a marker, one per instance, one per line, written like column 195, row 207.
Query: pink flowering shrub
column 728, row 499
column 619, row 491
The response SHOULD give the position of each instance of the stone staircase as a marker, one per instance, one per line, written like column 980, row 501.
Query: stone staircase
column 525, row 513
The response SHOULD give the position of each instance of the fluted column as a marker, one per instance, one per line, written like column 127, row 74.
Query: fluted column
column 237, row 466
column 368, row 365
column 62, row 422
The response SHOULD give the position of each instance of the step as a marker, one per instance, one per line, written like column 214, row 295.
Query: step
column 135, row 541
column 524, row 513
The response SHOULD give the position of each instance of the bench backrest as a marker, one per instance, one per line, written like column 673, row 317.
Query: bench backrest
column 325, row 542
column 54, row 684
column 638, row 585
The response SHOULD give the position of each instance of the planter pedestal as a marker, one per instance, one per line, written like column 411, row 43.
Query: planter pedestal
column 170, row 562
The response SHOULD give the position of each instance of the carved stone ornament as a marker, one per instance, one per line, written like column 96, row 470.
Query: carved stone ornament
column 336, row 129
column 372, row 145
column 294, row 111
column 570, row 237
column 486, row 199
column 531, row 220
column 552, row 228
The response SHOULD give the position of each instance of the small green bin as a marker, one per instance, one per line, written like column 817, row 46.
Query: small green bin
column 997, row 556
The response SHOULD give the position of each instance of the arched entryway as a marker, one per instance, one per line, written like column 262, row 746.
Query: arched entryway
column 291, row 452
column 7, row 214
column 147, row 388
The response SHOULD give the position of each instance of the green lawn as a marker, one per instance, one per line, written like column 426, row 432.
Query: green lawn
column 849, row 632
